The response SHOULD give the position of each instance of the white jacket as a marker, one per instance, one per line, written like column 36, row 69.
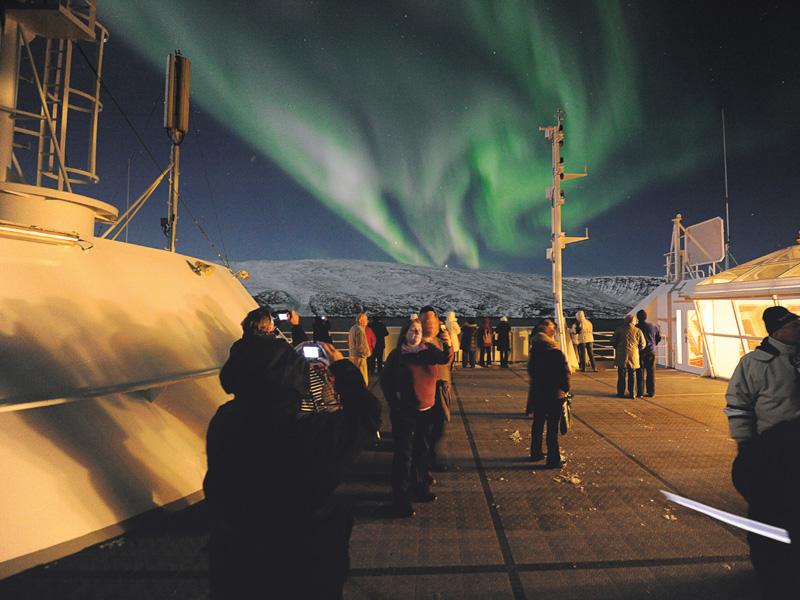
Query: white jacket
column 586, row 334
column 763, row 390
column 454, row 329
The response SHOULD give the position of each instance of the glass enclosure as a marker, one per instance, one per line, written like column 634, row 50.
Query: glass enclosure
column 730, row 328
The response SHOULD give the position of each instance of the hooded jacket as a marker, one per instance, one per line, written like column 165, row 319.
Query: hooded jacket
column 454, row 329
column 763, row 390
column 549, row 375
column 469, row 341
column 583, row 329
column 503, row 331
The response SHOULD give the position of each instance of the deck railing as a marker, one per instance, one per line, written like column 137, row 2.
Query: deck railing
column 520, row 337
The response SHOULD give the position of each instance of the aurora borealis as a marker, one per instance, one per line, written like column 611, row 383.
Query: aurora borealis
column 417, row 122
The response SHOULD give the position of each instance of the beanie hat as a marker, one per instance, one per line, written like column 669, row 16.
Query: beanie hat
column 776, row 317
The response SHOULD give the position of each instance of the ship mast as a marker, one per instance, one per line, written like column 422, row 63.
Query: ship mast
column 555, row 134
column 176, row 122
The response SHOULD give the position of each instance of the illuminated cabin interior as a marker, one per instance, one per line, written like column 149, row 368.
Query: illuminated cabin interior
column 709, row 324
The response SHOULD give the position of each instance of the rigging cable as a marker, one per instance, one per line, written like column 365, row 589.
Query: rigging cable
column 149, row 153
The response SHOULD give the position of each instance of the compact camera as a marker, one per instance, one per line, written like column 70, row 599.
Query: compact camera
column 312, row 352
column 282, row 316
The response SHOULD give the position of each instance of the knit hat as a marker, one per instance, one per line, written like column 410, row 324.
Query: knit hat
column 776, row 317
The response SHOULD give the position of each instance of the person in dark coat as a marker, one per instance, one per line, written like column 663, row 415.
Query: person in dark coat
column 469, row 343
column 549, row 384
column 409, row 384
column 321, row 329
column 298, row 335
column 646, row 380
column 272, row 471
column 375, row 361
column 767, row 475
column 503, row 334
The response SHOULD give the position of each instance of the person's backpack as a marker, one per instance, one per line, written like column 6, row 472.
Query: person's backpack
column 487, row 337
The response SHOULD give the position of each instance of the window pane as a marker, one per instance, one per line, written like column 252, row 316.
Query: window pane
column 793, row 272
column 792, row 304
column 718, row 316
column 694, row 340
column 725, row 354
column 767, row 272
column 750, row 312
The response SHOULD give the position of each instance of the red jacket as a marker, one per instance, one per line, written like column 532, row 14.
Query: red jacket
column 371, row 339
column 409, row 378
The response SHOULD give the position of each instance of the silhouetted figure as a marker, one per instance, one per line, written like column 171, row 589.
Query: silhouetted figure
column 646, row 382
column 376, row 359
column 549, row 384
column 469, row 343
column 763, row 410
column 276, row 525
column 321, row 329
column 503, row 335
column 298, row 335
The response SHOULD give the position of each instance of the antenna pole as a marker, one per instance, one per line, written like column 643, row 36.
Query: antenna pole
column 727, row 212
column 558, row 240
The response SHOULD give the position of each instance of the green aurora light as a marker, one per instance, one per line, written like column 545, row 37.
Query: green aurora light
column 418, row 122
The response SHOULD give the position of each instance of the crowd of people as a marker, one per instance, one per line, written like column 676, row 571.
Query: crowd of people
column 272, row 470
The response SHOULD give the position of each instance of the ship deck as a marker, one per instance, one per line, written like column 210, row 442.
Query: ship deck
column 501, row 528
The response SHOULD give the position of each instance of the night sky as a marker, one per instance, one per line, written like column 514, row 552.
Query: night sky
column 408, row 131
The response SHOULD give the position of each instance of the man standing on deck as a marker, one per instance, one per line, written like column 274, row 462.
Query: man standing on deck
column 380, row 331
column 298, row 334
column 431, row 326
column 628, row 341
column 646, row 381
column 763, row 410
column 358, row 346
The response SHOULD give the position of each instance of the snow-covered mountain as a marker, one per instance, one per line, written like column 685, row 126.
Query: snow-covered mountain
column 628, row 289
column 345, row 287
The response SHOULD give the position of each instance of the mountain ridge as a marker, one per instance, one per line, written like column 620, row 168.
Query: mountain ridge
column 343, row 287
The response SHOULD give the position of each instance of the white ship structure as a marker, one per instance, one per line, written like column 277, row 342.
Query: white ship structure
column 109, row 351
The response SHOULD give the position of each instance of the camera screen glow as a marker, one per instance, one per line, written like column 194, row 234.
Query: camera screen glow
column 311, row 352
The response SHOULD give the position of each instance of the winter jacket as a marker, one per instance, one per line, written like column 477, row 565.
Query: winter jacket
column 583, row 329
column 371, row 339
column 763, row 390
column 321, row 330
column 469, row 340
column 652, row 335
column 486, row 337
column 380, row 333
column 454, row 329
column 357, row 343
column 628, row 341
column 409, row 379
column 549, row 375
column 298, row 335
column 271, row 479
column 265, row 368
column 503, row 333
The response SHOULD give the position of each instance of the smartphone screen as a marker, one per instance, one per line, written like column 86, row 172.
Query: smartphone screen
column 310, row 351
column 283, row 316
